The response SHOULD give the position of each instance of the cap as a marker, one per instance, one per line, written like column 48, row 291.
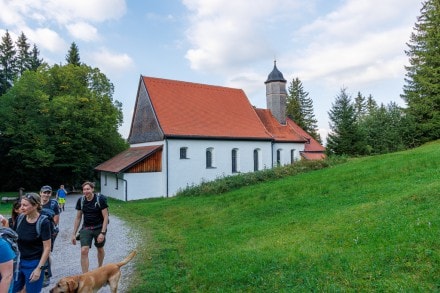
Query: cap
column 46, row 188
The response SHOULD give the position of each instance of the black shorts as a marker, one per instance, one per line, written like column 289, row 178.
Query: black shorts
column 87, row 235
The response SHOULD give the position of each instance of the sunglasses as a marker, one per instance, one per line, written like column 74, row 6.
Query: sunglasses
column 31, row 197
column 46, row 192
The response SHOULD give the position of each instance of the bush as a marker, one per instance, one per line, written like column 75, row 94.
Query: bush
column 228, row 183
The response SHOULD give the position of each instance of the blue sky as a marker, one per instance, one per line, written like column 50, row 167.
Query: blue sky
column 328, row 45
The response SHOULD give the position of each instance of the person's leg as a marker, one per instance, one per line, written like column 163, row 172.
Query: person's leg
column 101, row 255
column 86, row 237
column 84, row 259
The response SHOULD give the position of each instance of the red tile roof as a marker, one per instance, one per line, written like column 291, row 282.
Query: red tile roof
column 313, row 145
column 199, row 110
column 282, row 133
column 127, row 158
column 313, row 156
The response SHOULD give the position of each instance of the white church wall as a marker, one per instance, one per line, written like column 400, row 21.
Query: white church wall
column 193, row 170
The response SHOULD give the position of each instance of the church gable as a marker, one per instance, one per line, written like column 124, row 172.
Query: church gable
column 144, row 126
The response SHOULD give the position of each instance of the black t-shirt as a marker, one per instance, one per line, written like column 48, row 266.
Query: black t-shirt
column 52, row 206
column 31, row 246
column 92, row 211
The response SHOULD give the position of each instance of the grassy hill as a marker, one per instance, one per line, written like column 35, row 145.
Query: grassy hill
column 371, row 224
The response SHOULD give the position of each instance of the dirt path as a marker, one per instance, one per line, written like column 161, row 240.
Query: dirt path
column 66, row 256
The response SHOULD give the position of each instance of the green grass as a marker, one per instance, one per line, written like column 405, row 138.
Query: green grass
column 367, row 225
column 370, row 224
column 6, row 208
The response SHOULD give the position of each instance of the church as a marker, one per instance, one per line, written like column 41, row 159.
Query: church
column 185, row 133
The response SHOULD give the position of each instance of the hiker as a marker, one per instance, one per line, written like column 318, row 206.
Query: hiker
column 93, row 210
column 34, row 241
column 7, row 256
column 16, row 210
column 51, row 209
column 61, row 197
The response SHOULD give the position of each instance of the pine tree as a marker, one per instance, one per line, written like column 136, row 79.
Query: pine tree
column 371, row 104
column 360, row 106
column 345, row 137
column 7, row 63
column 35, row 61
column 24, row 55
column 422, row 82
column 72, row 56
column 300, row 108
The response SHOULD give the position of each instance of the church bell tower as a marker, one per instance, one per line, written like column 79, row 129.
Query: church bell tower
column 276, row 94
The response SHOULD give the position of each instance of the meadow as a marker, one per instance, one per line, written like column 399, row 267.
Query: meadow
column 369, row 224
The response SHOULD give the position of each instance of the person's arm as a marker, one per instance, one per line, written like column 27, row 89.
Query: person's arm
column 35, row 276
column 104, row 225
column 76, row 224
column 6, row 271
column 4, row 222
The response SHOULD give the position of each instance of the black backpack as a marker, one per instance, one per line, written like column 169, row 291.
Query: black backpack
column 11, row 237
column 98, row 202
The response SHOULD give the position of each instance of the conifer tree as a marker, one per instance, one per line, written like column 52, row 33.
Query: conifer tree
column 72, row 56
column 23, row 54
column 360, row 106
column 300, row 108
column 7, row 63
column 35, row 60
column 371, row 104
column 345, row 137
column 421, row 91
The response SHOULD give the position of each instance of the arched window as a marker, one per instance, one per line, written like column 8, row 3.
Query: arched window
column 234, row 159
column 292, row 156
column 256, row 160
column 209, row 158
column 279, row 151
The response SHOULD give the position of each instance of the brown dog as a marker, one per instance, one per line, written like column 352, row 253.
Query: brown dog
column 92, row 281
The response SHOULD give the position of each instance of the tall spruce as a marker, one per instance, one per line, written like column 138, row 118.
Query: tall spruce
column 35, row 60
column 300, row 108
column 345, row 136
column 72, row 56
column 360, row 106
column 23, row 54
column 7, row 63
column 421, row 91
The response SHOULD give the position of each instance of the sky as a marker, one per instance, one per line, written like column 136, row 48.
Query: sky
column 358, row 45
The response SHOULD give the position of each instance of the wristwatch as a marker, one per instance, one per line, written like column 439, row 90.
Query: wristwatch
column 103, row 233
column 42, row 267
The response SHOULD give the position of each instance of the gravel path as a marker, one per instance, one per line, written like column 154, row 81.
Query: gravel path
column 66, row 256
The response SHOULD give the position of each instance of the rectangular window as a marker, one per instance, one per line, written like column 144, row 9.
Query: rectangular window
column 183, row 154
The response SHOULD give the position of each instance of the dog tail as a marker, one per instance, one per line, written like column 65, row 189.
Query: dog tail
column 127, row 259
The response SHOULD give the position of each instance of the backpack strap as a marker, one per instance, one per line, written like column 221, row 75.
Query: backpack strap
column 53, row 203
column 40, row 220
column 98, row 196
column 18, row 221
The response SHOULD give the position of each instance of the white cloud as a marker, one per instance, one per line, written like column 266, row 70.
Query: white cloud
column 46, row 39
column 110, row 62
column 66, row 11
column 83, row 31
column 224, row 37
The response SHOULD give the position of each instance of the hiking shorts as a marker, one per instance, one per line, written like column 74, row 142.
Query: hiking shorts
column 61, row 200
column 24, row 274
column 87, row 235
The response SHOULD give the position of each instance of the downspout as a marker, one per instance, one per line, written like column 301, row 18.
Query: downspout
column 271, row 153
column 126, row 187
column 166, row 172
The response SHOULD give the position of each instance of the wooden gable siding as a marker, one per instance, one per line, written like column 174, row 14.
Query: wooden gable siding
column 151, row 164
